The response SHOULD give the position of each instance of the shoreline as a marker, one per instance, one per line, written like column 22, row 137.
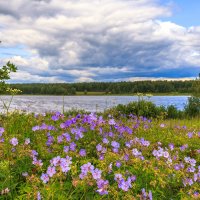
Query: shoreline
column 100, row 94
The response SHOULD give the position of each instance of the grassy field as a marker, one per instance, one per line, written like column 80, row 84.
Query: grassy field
column 90, row 157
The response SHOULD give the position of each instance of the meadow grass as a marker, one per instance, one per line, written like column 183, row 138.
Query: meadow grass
column 86, row 156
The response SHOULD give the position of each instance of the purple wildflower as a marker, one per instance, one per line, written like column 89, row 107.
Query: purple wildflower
column 51, row 171
column 118, row 164
column 72, row 146
column 171, row 146
column 118, row 177
column 55, row 161
column 66, row 149
column 190, row 134
column 39, row 196
column 36, row 128
column 14, row 141
column 99, row 147
column 105, row 141
column 1, row 131
column 25, row 174
column 177, row 167
column 111, row 122
column 44, row 178
column 60, row 138
column 67, row 137
column 102, row 186
column 115, row 144
column 96, row 174
column 55, row 117
column 82, row 152
column 27, row 141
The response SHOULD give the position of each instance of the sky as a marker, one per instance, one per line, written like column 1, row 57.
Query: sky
column 100, row 40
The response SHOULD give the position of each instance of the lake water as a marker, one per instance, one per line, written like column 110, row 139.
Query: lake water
column 41, row 104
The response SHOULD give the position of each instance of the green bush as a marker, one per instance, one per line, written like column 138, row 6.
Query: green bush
column 140, row 108
column 174, row 113
column 192, row 109
column 150, row 110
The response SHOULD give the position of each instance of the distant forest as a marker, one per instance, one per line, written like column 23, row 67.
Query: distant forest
column 106, row 87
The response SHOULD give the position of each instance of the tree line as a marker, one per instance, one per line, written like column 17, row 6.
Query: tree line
column 107, row 87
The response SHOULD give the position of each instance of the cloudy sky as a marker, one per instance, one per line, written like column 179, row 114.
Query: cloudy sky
column 100, row 40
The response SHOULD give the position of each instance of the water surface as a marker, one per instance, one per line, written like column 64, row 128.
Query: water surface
column 40, row 104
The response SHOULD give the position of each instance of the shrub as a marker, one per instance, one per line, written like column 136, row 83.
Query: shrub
column 140, row 108
column 174, row 113
column 192, row 109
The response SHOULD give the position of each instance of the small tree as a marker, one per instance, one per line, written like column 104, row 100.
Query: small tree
column 193, row 107
column 5, row 75
column 196, row 87
column 4, row 88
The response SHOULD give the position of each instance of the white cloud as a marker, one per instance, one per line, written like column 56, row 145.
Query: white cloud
column 86, row 40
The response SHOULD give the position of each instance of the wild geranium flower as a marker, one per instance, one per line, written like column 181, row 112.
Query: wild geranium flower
column 64, row 167
column 99, row 147
column 96, row 174
column 85, row 169
column 50, row 140
column 126, row 157
column 190, row 134
column 133, row 178
column 111, row 122
column 43, row 127
column 191, row 169
column 82, row 152
column 66, row 149
column 111, row 134
column 2, row 140
column 118, row 164
column 34, row 153
column 165, row 154
column 51, row 171
column 162, row 125
column 67, row 137
column 105, row 141
column 68, row 160
column 110, row 168
column 118, row 177
column 27, row 141
column 36, row 128
column 146, row 195
column 65, row 164
column 177, row 167
column 171, row 146
column 55, row 118
column 188, row 181
column 101, row 156
column 136, row 153
column 39, row 197
column 55, row 161
column 191, row 161
column 25, row 174
column 115, row 150
column 14, row 141
column 37, row 162
column 124, row 185
column 72, row 146
column 2, row 130
column 60, row 138
column 115, row 144
column 128, row 144
column 44, row 178
column 144, row 142
column 185, row 146
column 102, row 186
